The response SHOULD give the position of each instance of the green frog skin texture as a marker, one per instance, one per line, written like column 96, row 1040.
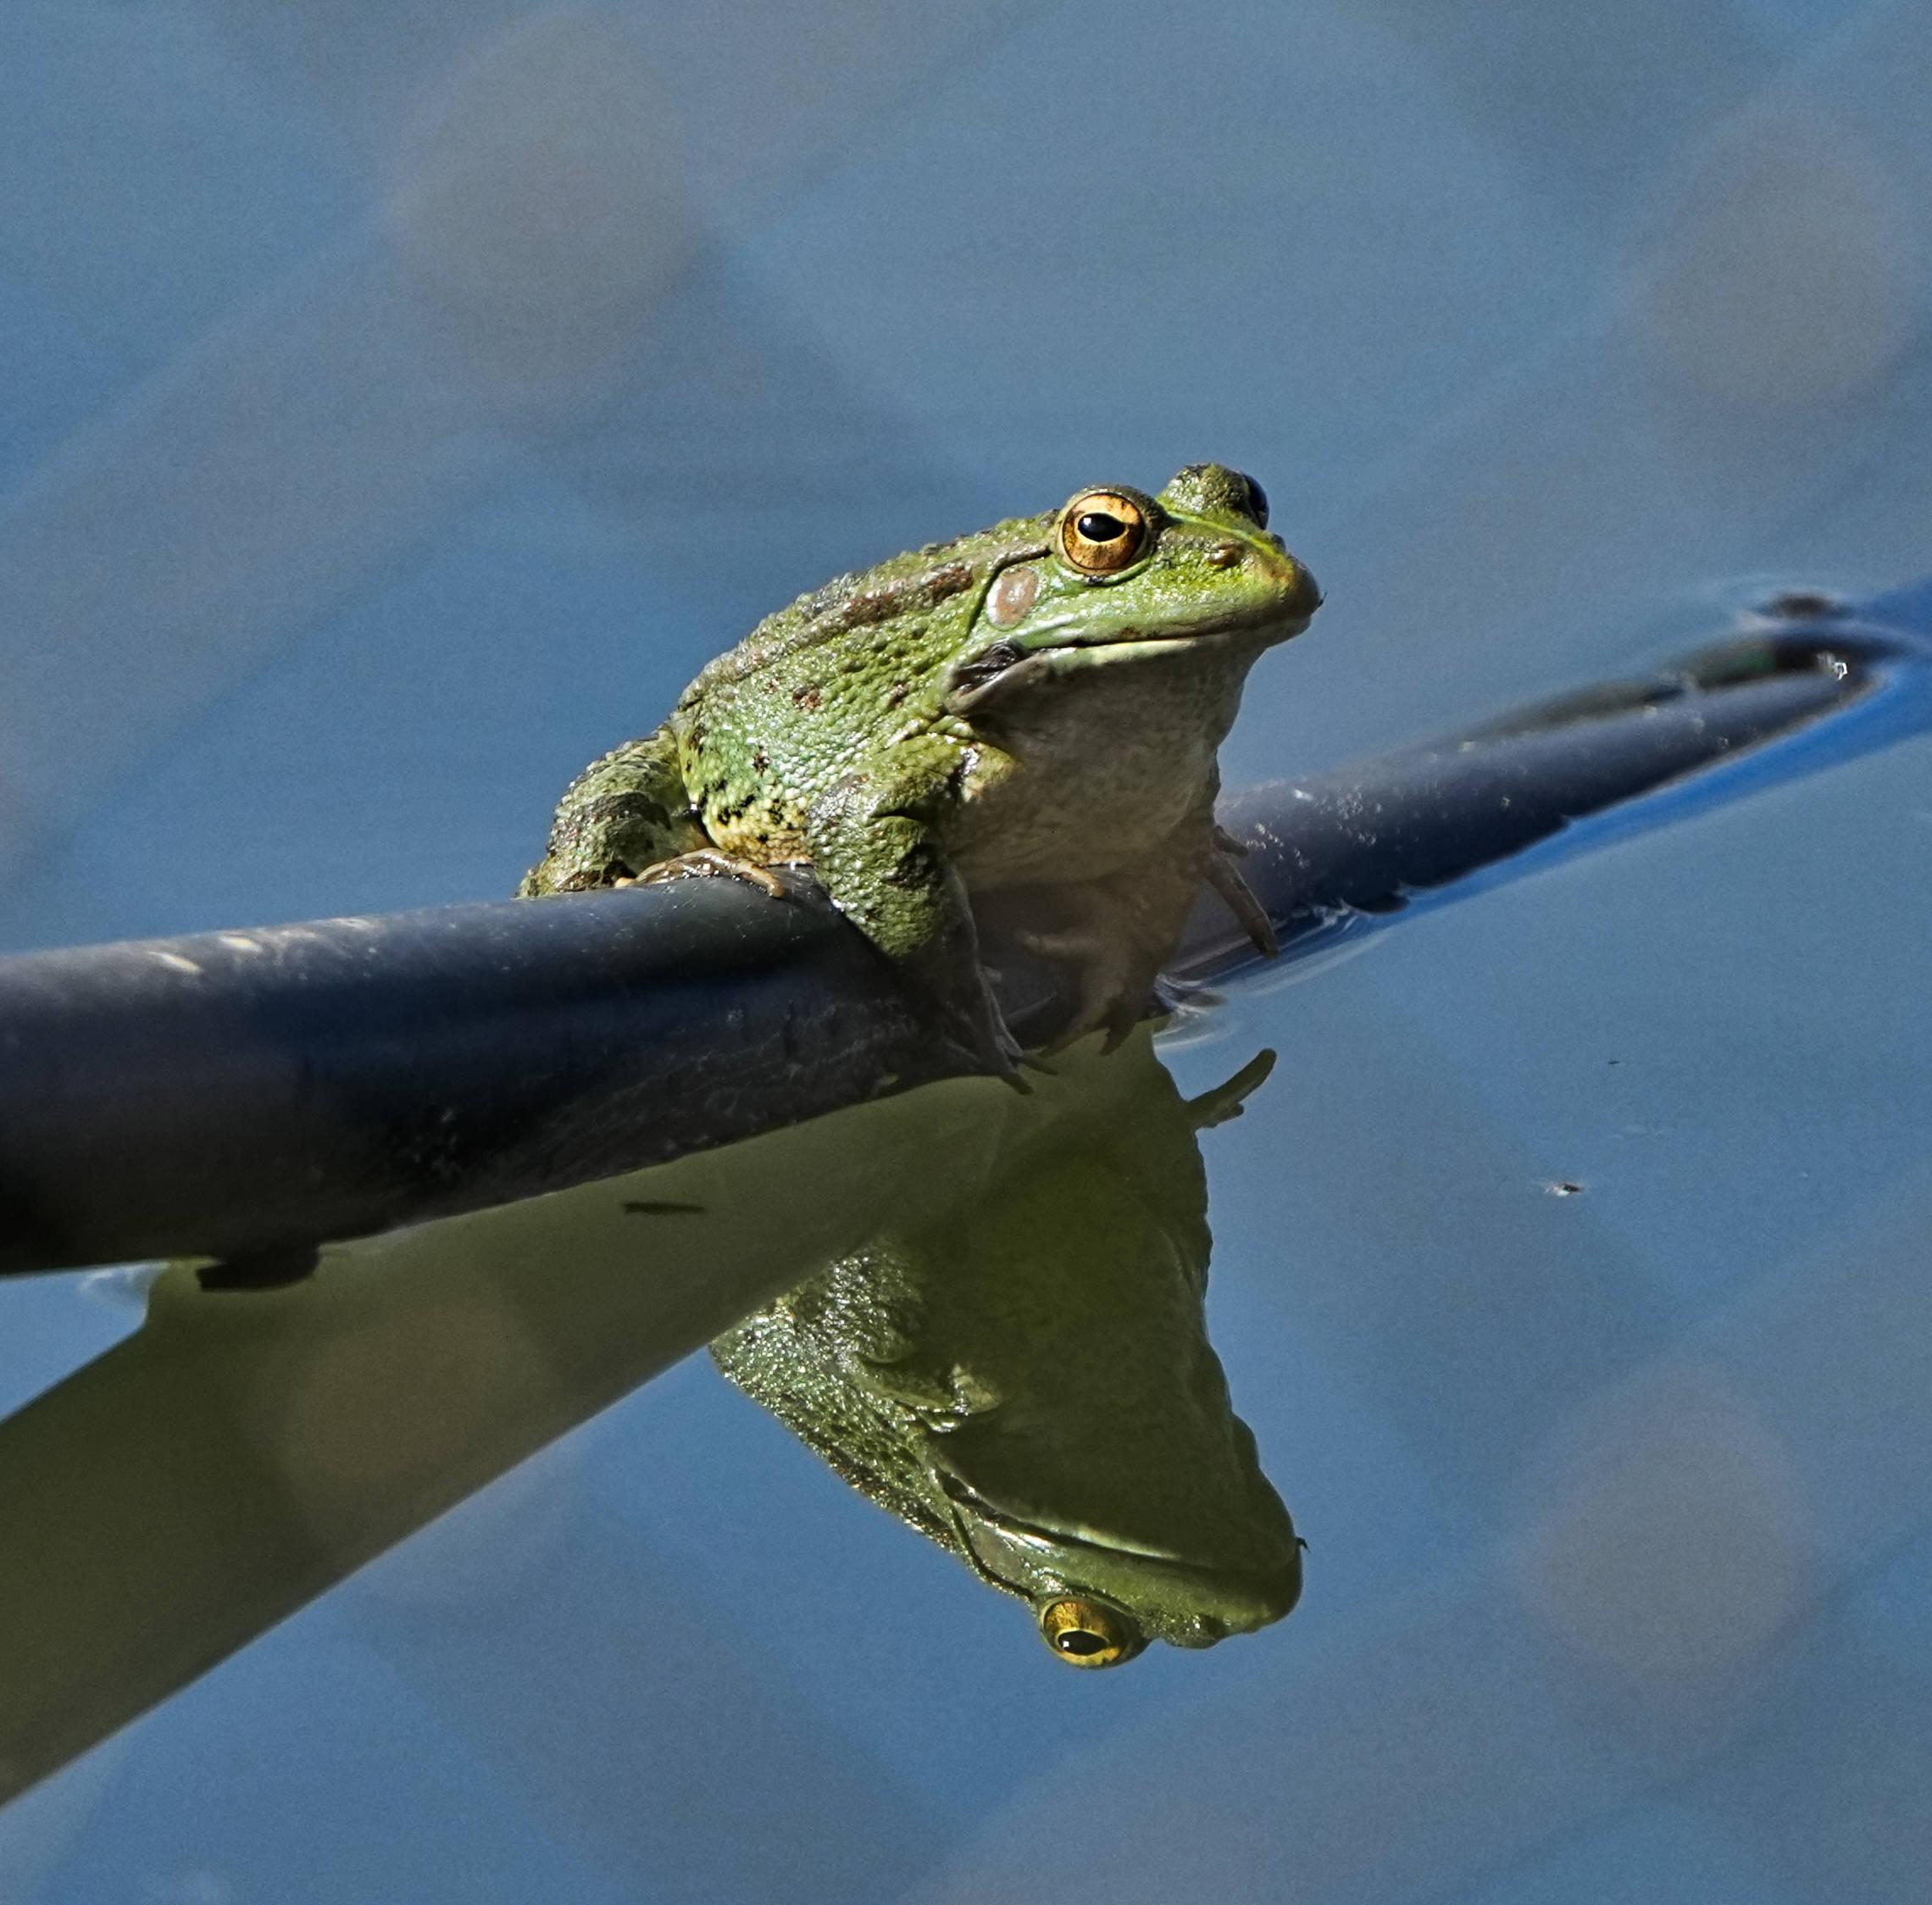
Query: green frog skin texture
column 1039, row 704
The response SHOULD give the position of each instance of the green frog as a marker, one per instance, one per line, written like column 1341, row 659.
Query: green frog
column 1039, row 704
column 1023, row 1374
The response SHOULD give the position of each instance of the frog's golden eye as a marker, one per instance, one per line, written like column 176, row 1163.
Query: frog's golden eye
column 1103, row 531
column 1088, row 1634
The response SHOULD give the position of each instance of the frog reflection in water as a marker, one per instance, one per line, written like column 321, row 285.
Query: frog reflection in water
column 1038, row 704
column 1027, row 1379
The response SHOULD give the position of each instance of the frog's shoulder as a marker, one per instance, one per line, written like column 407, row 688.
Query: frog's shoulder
column 909, row 584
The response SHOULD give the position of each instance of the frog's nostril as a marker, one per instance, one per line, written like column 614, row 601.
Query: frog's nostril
column 1225, row 555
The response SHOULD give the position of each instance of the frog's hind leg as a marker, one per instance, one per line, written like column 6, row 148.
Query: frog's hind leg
column 621, row 816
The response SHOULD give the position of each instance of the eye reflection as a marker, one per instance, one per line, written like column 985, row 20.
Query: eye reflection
column 1086, row 1634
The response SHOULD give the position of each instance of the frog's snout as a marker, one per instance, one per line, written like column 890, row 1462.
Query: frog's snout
column 1303, row 594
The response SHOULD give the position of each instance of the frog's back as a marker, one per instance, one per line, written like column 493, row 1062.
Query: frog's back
column 767, row 727
column 848, row 611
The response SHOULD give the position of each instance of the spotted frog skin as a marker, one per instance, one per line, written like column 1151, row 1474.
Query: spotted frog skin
column 1039, row 704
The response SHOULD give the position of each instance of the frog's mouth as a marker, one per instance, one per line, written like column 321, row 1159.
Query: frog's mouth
column 1282, row 626
column 967, row 1498
column 998, row 670
column 1064, row 657
column 1031, row 1558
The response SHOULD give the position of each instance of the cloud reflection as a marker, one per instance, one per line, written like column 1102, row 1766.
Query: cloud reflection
column 1788, row 275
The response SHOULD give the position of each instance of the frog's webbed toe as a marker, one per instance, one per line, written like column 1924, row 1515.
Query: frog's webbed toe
column 1241, row 898
column 711, row 861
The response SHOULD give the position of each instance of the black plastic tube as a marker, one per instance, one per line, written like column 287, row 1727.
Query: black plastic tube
column 245, row 1095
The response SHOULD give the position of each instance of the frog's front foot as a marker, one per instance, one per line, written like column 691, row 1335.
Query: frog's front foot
column 709, row 861
column 1114, row 979
column 1118, row 933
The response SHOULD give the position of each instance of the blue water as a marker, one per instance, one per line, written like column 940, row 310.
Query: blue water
column 398, row 402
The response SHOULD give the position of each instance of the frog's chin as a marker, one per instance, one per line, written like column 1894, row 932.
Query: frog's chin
column 1181, row 1598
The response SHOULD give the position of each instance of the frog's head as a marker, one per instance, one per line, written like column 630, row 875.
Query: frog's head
column 1118, row 576
column 1133, row 1537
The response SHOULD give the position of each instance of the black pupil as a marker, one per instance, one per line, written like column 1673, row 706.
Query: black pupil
column 1077, row 1640
column 1098, row 526
column 1258, row 503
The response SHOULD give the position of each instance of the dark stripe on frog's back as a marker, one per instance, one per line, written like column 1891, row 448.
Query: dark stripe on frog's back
column 911, row 583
